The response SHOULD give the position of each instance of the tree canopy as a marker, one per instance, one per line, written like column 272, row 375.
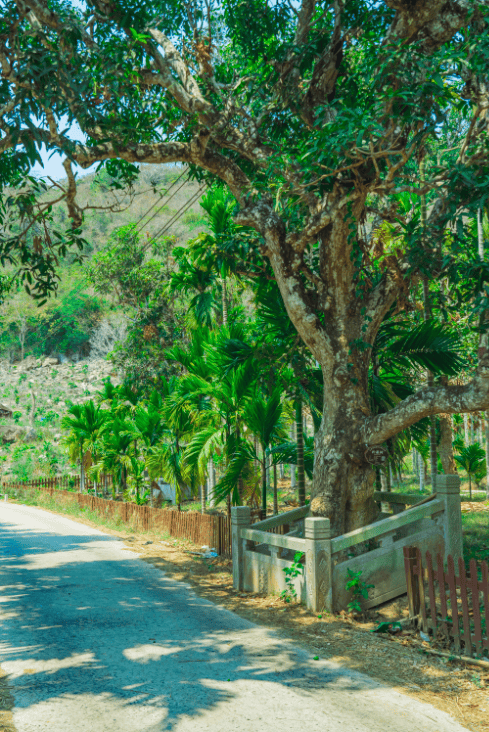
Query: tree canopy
column 352, row 136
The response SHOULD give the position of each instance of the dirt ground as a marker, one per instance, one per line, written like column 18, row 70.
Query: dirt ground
column 399, row 661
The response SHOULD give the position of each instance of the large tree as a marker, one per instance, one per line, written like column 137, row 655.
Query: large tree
column 319, row 117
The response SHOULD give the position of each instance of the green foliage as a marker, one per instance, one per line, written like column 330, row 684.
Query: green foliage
column 22, row 461
column 473, row 460
column 359, row 590
column 66, row 325
column 48, row 458
column 290, row 573
column 319, row 121
column 137, row 284
column 29, row 245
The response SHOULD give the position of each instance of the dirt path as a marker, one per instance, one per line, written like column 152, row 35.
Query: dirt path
column 461, row 691
column 94, row 639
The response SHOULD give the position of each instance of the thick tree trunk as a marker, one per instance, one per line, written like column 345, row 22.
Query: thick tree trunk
column 343, row 483
column 339, row 328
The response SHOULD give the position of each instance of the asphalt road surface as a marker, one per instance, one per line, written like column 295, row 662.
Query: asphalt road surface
column 94, row 639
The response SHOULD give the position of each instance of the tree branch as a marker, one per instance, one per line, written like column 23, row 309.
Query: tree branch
column 474, row 396
column 433, row 22
column 326, row 69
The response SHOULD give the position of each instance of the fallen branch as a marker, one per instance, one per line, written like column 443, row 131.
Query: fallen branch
column 465, row 659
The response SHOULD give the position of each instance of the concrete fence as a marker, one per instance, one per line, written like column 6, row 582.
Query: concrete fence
column 259, row 556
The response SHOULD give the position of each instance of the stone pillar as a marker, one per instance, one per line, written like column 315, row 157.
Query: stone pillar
column 319, row 566
column 240, row 519
column 448, row 489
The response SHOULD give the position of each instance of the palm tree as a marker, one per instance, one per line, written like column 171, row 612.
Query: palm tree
column 401, row 354
column 208, row 261
column 213, row 394
column 472, row 460
column 264, row 418
column 219, row 206
column 146, row 428
column 114, row 454
column 86, row 423
column 299, row 375
column 166, row 440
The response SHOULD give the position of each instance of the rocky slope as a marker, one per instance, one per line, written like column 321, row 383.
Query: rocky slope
column 36, row 390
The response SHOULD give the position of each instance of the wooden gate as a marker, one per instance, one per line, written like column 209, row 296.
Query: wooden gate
column 453, row 600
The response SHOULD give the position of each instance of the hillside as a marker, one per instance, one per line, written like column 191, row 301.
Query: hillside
column 162, row 203
column 36, row 390
column 160, row 195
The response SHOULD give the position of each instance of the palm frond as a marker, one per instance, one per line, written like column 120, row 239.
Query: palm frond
column 430, row 345
column 238, row 467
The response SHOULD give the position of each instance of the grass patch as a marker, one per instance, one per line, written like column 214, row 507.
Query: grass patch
column 65, row 506
column 476, row 536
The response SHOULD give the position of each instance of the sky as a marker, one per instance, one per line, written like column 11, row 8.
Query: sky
column 52, row 162
column 52, row 167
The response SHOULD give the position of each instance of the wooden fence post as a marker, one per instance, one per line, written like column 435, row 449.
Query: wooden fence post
column 448, row 489
column 412, row 581
column 240, row 519
column 319, row 574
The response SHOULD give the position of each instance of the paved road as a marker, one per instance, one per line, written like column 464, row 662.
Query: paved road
column 96, row 639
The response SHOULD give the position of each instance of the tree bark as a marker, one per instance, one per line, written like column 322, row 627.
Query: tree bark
column 293, row 472
column 480, row 234
column 446, row 445
column 446, row 440
column 275, row 490
column 264, row 483
column 386, row 486
column 82, row 471
column 211, row 482
column 343, row 480
column 487, row 453
column 301, row 478
column 202, row 494
column 224, row 302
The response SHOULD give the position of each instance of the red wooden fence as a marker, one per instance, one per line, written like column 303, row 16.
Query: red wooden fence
column 463, row 600
column 213, row 530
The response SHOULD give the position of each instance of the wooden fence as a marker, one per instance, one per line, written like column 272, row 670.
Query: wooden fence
column 212, row 530
column 63, row 482
column 451, row 598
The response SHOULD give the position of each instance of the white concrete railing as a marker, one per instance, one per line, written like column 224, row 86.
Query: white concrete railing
column 258, row 562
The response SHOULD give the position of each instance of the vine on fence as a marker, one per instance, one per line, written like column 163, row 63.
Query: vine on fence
column 290, row 573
